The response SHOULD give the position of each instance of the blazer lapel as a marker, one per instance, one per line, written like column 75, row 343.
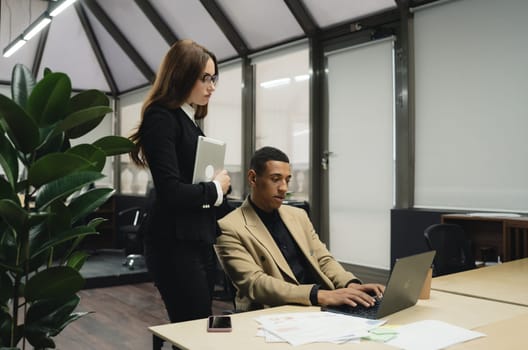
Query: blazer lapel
column 257, row 228
column 300, row 237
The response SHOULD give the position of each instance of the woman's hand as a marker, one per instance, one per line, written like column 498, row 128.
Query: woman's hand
column 224, row 180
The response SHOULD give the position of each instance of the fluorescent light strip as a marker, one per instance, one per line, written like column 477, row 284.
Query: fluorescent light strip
column 275, row 83
column 36, row 27
column 301, row 132
column 302, row 77
column 14, row 46
column 63, row 5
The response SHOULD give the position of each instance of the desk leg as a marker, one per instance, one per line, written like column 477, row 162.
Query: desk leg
column 157, row 342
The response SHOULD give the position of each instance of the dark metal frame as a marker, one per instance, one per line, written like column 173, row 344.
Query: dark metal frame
column 396, row 22
column 85, row 22
column 120, row 39
column 153, row 16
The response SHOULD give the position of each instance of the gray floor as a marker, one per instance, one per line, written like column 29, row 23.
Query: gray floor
column 105, row 268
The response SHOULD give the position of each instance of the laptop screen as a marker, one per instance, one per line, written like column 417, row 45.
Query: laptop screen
column 402, row 291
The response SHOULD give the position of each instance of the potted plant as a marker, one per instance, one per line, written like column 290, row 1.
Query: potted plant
column 42, row 211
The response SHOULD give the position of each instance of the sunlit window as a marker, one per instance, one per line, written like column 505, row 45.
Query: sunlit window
column 282, row 112
column 224, row 122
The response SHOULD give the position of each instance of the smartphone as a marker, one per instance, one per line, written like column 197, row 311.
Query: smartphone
column 219, row 324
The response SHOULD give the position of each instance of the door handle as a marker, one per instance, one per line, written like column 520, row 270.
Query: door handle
column 325, row 159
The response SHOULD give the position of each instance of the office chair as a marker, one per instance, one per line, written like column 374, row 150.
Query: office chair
column 131, row 235
column 453, row 249
column 229, row 287
column 132, row 231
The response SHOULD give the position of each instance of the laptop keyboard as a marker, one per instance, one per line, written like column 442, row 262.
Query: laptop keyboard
column 358, row 311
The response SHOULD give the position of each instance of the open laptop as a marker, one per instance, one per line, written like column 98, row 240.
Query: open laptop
column 402, row 291
column 210, row 154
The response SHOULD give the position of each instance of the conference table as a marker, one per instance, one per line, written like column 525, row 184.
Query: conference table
column 459, row 310
column 506, row 334
column 506, row 282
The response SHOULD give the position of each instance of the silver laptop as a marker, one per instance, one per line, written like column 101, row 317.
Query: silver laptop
column 210, row 154
column 403, row 289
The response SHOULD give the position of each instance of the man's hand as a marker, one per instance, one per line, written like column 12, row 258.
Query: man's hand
column 353, row 295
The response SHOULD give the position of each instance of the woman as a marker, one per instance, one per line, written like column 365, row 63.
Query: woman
column 181, row 226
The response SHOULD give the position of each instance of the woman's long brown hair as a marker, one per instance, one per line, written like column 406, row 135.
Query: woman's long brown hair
column 181, row 67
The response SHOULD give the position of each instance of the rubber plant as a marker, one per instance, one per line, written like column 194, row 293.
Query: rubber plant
column 44, row 204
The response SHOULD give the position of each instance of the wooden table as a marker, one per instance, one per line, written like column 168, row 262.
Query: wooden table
column 505, row 334
column 506, row 235
column 456, row 309
column 507, row 282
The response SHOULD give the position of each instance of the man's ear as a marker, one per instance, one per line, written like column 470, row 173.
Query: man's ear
column 252, row 177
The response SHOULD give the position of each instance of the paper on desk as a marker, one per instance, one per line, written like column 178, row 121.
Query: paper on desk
column 431, row 335
column 310, row 327
column 271, row 338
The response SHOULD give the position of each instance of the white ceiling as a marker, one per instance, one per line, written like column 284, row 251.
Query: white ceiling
column 115, row 47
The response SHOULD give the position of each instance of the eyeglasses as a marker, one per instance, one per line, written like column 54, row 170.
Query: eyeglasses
column 209, row 79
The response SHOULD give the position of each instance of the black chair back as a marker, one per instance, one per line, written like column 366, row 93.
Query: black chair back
column 454, row 252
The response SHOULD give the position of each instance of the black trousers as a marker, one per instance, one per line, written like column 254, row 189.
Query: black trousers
column 184, row 273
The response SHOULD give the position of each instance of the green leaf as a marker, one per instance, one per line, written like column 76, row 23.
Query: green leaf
column 88, row 202
column 91, row 153
column 47, row 318
column 5, row 328
column 57, row 282
column 83, row 100
column 65, row 186
column 77, row 260
column 20, row 127
column 8, row 249
column 7, row 192
column 7, row 286
column 65, row 236
column 81, row 117
column 37, row 218
column 8, row 159
column 96, row 222
column 114, row 145
column 48, row 143
column 48, row 103
column 22, row 83
column 39, row 340
column 13, row 215
column 54, row 166
column 39, row 235
column 61, row 219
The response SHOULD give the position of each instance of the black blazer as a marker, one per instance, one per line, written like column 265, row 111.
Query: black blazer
column 181, row 211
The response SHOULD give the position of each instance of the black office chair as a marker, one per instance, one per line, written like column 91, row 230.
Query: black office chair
column 229, row 292
column 454, row 251
column 131, row 231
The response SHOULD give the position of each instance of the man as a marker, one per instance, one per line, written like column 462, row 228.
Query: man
column 272, row 253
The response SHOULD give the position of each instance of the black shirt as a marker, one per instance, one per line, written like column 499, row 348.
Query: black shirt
column 289, row 248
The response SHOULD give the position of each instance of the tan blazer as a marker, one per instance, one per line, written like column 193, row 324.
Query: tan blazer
column 257, row 267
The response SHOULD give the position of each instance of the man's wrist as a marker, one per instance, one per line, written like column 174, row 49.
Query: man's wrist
column 354, row 281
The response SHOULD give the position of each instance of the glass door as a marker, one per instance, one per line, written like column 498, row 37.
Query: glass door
column 359, row 158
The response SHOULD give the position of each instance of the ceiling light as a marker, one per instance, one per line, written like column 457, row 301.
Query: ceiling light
column 275, row 83
column 13, row 46
column 302, row 77
column 61, row 7
column 37, row 26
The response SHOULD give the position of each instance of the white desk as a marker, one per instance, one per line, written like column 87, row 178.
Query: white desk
column 459, row 310
column 507, row 282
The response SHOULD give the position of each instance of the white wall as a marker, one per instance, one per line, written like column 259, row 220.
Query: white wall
column 471, row 105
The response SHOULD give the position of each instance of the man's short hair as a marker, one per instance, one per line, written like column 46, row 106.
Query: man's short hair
column 265, row 154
